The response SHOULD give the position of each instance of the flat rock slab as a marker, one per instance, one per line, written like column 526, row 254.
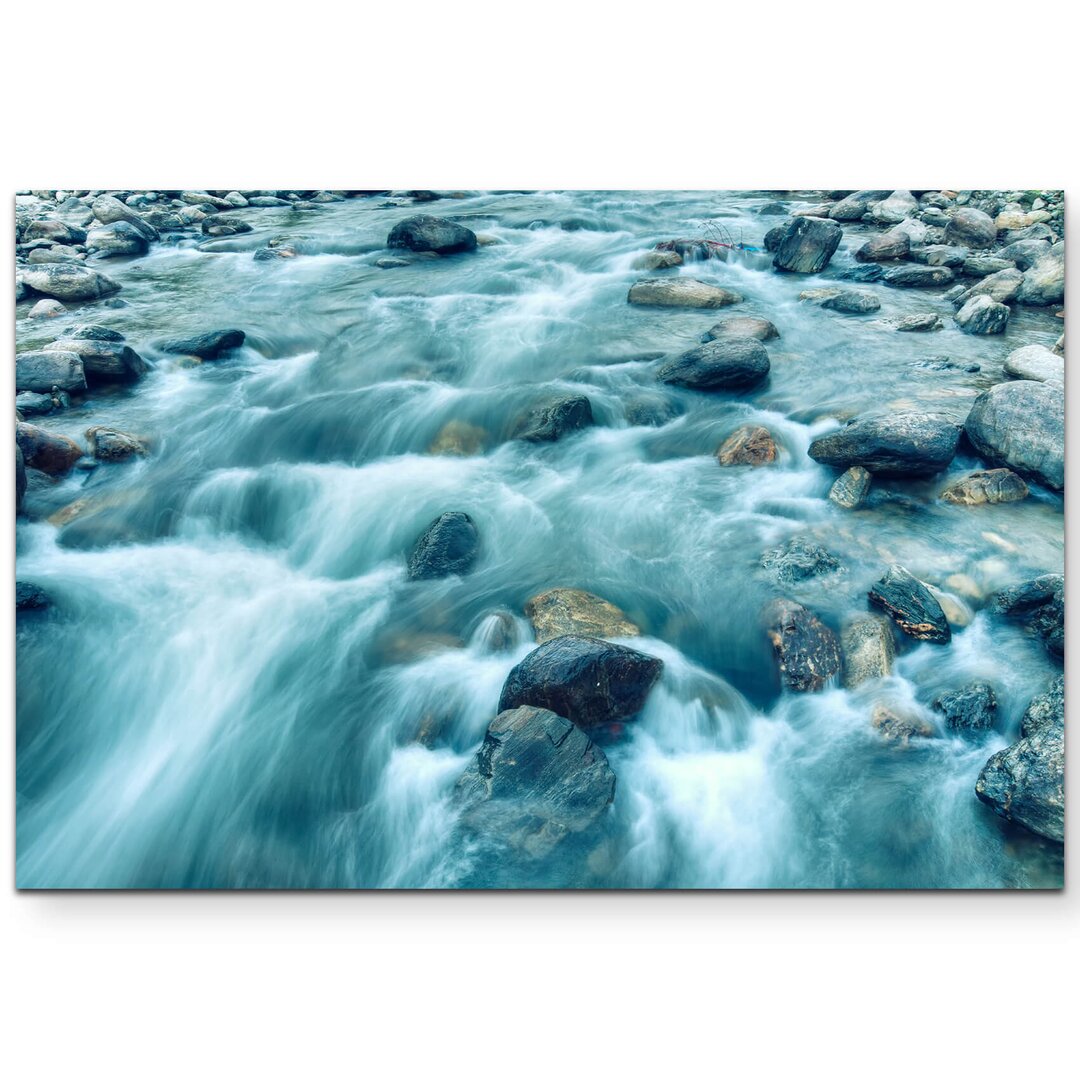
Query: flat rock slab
column 988, row 486
column 207, row 346
column 67, row 281
column 911, row 605
column 680, row 292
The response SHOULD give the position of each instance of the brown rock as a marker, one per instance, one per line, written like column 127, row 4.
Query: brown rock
column 807, row 651
column 901, row 727
column 574, row 611
column 46, row 452
column 750, row 444
column 989, row 486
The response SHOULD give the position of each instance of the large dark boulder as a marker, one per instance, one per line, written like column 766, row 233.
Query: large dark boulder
column 807, row 246
column 46, row 452
column 1041, row 604
column 103, row 360
column 536, row 780
column 1021, row 425
column 971, row 709
column 449, row 545
column 39, row 372
column 553, row 419
column 207, row 346
column 807, row 651
column 593, row 682
column 901, row 444
column 728, row 363
column 119, row 238
column 67, row 281
column 426, row 233
column 1025, row 782
column 911, row 605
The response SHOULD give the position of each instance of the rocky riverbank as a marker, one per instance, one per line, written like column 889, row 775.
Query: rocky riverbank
column 837, row 605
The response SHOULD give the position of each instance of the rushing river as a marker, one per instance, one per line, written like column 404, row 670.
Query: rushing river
column 238, row 687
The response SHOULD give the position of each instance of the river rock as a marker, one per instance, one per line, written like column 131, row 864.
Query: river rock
column 46, row 309
column 988, row 486
column 981, row 315
column 911, row 605
column 28, row 403
column 894, row 209
column 902, row 444
column 103, row 360
column 460, row 439
column 851, row 302
column 1025, row 253
column 868, row 649
column 119, row 238
column 67, row 281
column 536, row 780
column 657, row 260
column 850, row 488
column 1025, row 782
column 807, row 246
column 573, row 611
column 971, row 709
column 1046, row 711
column 1021, row 425
column 898, row 725
column 553, row 419
column 220, row 225
column 58, row 232
column 45, row 451
column 853, row 207
column 426, row 233
column 680, row 292
column 109, row 210
column 918, row 277
column 982, row 266
column 1035, row 362
column 31, row 597
column 799, row 560
column 1040, row 603
column 42, row 370
column 1002, row 286
column 743, row 326
column 971, row 228
column 449, row 545
column 941, row 255
column 886, row 246
column 917, row 324
column 590, row 681
column 807, row 651
column 108, row 444
column 750, row 444
column 729, row 363
column 1044, row 280
column 207, row 346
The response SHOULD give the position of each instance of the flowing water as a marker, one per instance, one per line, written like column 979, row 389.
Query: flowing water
column 238, row 687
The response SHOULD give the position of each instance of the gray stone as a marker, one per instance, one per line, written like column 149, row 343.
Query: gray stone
column 807, row 246
column 743, row 326
column 988, row 486
column 982, row 315
column 103, row 360
column 68, row 281
column 207, row 346
column 904, row 444
column 1044, row 280
column 890, row 245
column 449, row 545
column 972, row 709
column 799, row 560
column 911, row 605
column 41, row 371
column 917, row 324
column 850, row 488
column 551, row 420
column 851, row 302
column 119, row 238
column 971, row 228
column 807, row 651
column 729, row 363
column 1035, row 362
column 573, row 611
column 425, row 233
column 869, row 651
column 680, row 292
column 918, row 277
column 853, row 207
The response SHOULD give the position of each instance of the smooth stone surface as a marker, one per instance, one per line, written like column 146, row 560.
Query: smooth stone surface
column 574, row 611
column 918, row 277
column 729, row 363
column 746, row 326
column 46, row 451
column 981, row 315
column 42, row 370
column 1021, row 425
column 868, row 650
column 67, row 281
column 680, row 292
column 750, row 444
column 903, row 444
column 886, row 246
column 851, row 487
column 988, row 486
column 851, row 302
column 425, row 233
column 449, row 545
column 971, row 228
column 108, row 444
column 208, row 346
column 1044, row 280
column 103, row 360
column 588, row 680
column 1036, row 363
column 911, row 605
column 917, row 324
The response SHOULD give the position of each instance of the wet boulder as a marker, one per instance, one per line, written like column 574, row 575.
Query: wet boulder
column 1025, row 782
column 207, row 346
column 536, row 780
column 426, row 233
column 222, row 225
column 449, row 545
column 58, row 232
column 1035, row 362
column 458, row 438
column 680, row 292
column 911, row 605
column 987, row 486
column 574, row 611
column 942, row 255
column 108, row 444
column 807, row 651
column 868, row 649
column 28, row 403
column 588, row 680
column 854, row 207
column 850, row 488
column 1025, row 253
column 902, row 444
column 899, row 725
column 1044, row 280
column 31, row 597
column 984, row 266
column 917, row 277
column 67, row 281
column 807, row 246
column 982, row 315
column 119, row 238
column 551, row 420
column 1046, row 710
column 799, row 560
column 972, row 709
column 894, row 209
column 46, row 309
column 743, row 326
column 917, row 324
column 1021, row 426
column 886, row 246
column 45, row 451
column 852, row 302
column 103, row 360
column 109, row 210
column 1040, row 603
column 729, row 363
column 750, row 444
column 971, row 228
column 1001, row 286
column 40, row 371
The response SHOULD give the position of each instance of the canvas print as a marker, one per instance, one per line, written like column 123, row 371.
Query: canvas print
column 539, row 539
